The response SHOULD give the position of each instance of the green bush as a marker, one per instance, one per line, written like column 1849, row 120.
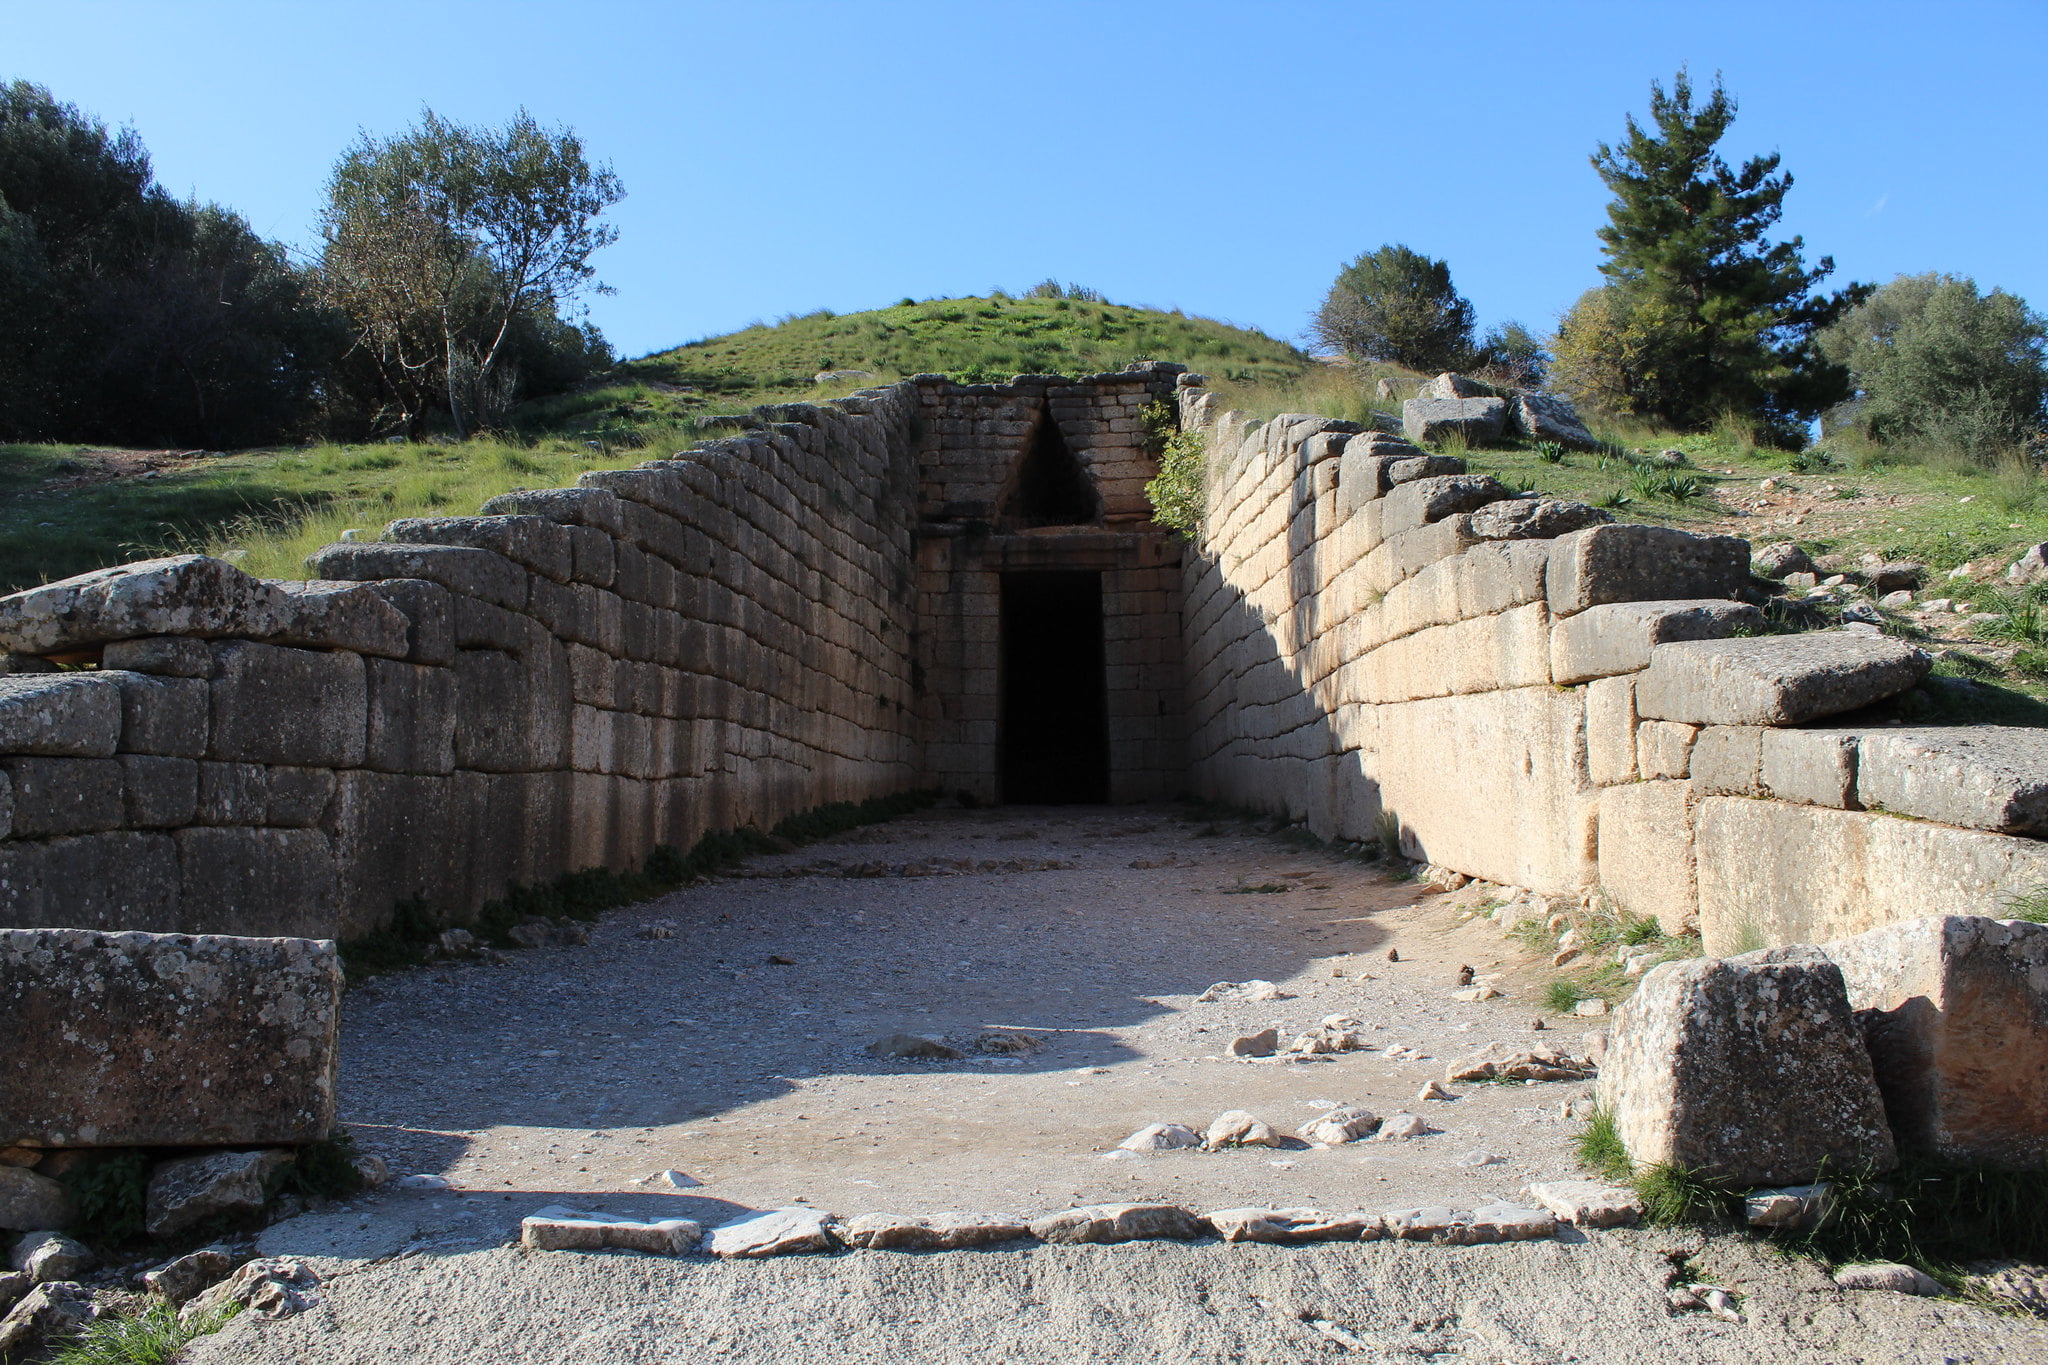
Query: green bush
column 1179, row 492
column 112, row 1197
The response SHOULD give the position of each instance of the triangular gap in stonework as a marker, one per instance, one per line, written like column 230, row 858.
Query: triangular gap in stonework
column 1051, row 488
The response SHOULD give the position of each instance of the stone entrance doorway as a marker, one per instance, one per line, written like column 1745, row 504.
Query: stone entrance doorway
column 1055, row 697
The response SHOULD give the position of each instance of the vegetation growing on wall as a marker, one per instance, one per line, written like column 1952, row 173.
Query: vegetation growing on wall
column 1178, row 493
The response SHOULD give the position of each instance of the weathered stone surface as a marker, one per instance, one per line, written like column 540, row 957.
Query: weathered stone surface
column 1745, row 1070
column 60, row 714
column 462, row 569
column 46, row 1257
column 271, row 1287
column 1954, row 1009
column 64, row 795
column 1775, row 561
column 167, row 656
column 1633, row 563
column 1345, row 1123
column 559, row 1228
column 29, row 1201
column 593, row 507
column 1264, row 1043
column 165, row 716
column 538, row 543
column 1775, row 679
column 1792, row 1208
column 1236, row 1128
column 1773, row 872
column 341, row 615
column 1449, row 385
column 1981, row 776
column 1815, row 767
column 1426, row 500
column 179, row 1280
column 14, row 1287
column 127, row 879
column 1646, row 853
column 50, row 1313
column 197, row 1189
column 1424, row 420
column 1534, row 519
column 1117, row 1223
column 1664, row 748
column 163, row 1040
column 1546, row 417
column 1161, row 1137
column 182, row 595
column 1617, row 637
column 1588, row 1203
column 273, row 704
column 235, row 881
column 1498, row 1062
column 940, row 1232
column 1900, row 1279
column 775, row 1232
column 1294, row 1227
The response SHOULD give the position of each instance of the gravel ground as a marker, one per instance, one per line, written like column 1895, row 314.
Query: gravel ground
column 732, row 1051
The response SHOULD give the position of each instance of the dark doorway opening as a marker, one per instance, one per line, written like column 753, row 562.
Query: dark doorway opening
column 1055, row 740
column 1052, row 489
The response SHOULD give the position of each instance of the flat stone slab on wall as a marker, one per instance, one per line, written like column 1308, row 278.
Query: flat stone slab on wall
column 1955, row 1011
column 1774, row 679
column 166, row 1040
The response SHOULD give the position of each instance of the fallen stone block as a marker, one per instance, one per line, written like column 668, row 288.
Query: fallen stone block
column 774, row 1232
column 1900, row 1279
column 1776, row 561
column 1117, row 1223
column 1264, row 1043
column 182, row 1279
column 1496, row 1062
column 60, row 714
column 1618, row 637
column 940, row 1232
column 1402, row 1128
column 14, row 1287
column 1745, row 1070
column 1775, row 679
column 182, row 595
column 1588, row 1203
column 1480, row 420
column 559, row 1228
column 1505, row 1222
column 914, row 1046
column 191, row 1190
column 47, row 1257
column 1546, row 417
column 1794, row 1208
column 29, row 1201
column 1345, row 1123
column 270, row 1288
column 166, row 1040
column 1991, row 777
column 1236, row 1128
column 1625, row 562
column 1954, row 1010
column 1161, row 1137
column 48, row 1314
column 1449, row 385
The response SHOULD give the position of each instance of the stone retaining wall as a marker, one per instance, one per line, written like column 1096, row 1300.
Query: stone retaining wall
column 1548, row 702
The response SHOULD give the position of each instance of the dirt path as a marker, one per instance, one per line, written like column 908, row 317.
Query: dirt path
column 733, row 1051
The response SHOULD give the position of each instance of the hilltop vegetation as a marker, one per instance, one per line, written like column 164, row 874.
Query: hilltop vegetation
column 68, row 509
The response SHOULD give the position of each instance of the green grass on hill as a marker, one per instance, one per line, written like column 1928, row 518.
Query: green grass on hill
column 270, row 508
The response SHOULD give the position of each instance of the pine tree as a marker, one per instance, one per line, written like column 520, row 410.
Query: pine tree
column 1686, row 244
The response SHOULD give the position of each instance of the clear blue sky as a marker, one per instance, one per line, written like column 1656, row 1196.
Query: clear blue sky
column 785, row 155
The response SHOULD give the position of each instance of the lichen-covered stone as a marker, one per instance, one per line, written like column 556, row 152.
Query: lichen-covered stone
column 1748, row 1070
column 165, row 1040
column 181, row 595
column 1432, row 419
column 192, row 1190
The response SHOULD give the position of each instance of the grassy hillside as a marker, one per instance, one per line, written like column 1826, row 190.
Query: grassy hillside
column 65, row 510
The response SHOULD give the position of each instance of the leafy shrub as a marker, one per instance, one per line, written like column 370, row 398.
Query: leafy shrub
column 326, row 1169
column 1178, row 493
column 111, row 1196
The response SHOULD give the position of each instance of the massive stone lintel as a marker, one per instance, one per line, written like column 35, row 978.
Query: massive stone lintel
column 1774, row 679
column 166, row 1040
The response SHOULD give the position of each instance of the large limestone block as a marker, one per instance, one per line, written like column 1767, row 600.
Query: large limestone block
column 1427, row 500
column 126, row 879
column 1632, row 563
column 1546, row 417
column 539, row 543
column 59, row 714
column 1617, row 637
column 1745, row 1070
column 166, row 716
column 1775, row 679
column 1432, row 419
column 1646, row 853
column 1954, row 1009
column 1611, row 731
column 1529, row 518
column 273, row 704
column 182, row 595
column 338, row 615
column 1815, row 767
column 462, row 569
column 1448, row 385
column 257, row 881
column 1771, row 872
column 166, row 1040
column 1981, row 777
column 593, row 507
